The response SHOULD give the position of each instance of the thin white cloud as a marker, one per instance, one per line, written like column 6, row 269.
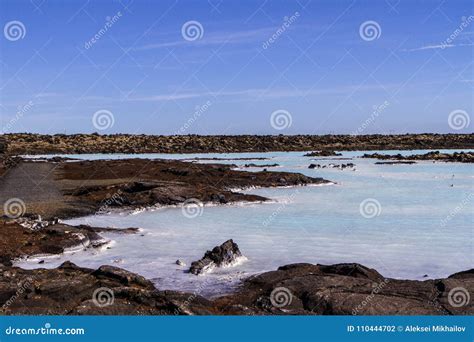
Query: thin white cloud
column 175, row 97
column 257, row 93
column 215, row 39
column 42, row 95
column 437, row 46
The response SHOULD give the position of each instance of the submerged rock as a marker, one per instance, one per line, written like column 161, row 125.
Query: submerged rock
column 223, row 255
column 180, row 262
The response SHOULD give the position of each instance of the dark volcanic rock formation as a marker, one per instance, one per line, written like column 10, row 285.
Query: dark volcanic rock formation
column 25, row 237
column 222, row 255
column 460, row 157
column 73, row 290
column 349, row 289
column 6, row 161
column 20, row 143
column 68, row 189
column 342, row 289
column 298, row 289
column 331, row 166
column 225, row 159
column 323, row 153
column 408, row 162
column 261, row 165
column 3, row 145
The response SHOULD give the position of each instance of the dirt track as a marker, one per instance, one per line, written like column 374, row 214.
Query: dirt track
column 33, row 184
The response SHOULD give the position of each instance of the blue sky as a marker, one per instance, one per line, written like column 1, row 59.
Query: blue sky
column 320, row 69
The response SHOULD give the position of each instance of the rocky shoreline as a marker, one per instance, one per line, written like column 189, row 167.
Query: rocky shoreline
column 456, row 157
column 64, row 188
column 78, row 188
column 347, row 289
column 24, row 143
column 298, row 289
column 25, row 237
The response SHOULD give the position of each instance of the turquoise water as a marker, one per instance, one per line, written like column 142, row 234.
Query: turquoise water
column 421, row 224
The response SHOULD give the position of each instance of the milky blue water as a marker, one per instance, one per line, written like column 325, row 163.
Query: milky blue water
column 406, row 221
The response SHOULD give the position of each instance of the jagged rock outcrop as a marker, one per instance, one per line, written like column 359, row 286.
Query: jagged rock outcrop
column 223, row 255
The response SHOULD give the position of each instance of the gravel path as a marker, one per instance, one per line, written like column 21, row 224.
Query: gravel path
column 34, row 185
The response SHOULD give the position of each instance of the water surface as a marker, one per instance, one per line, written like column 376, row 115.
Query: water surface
column 422, row 224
